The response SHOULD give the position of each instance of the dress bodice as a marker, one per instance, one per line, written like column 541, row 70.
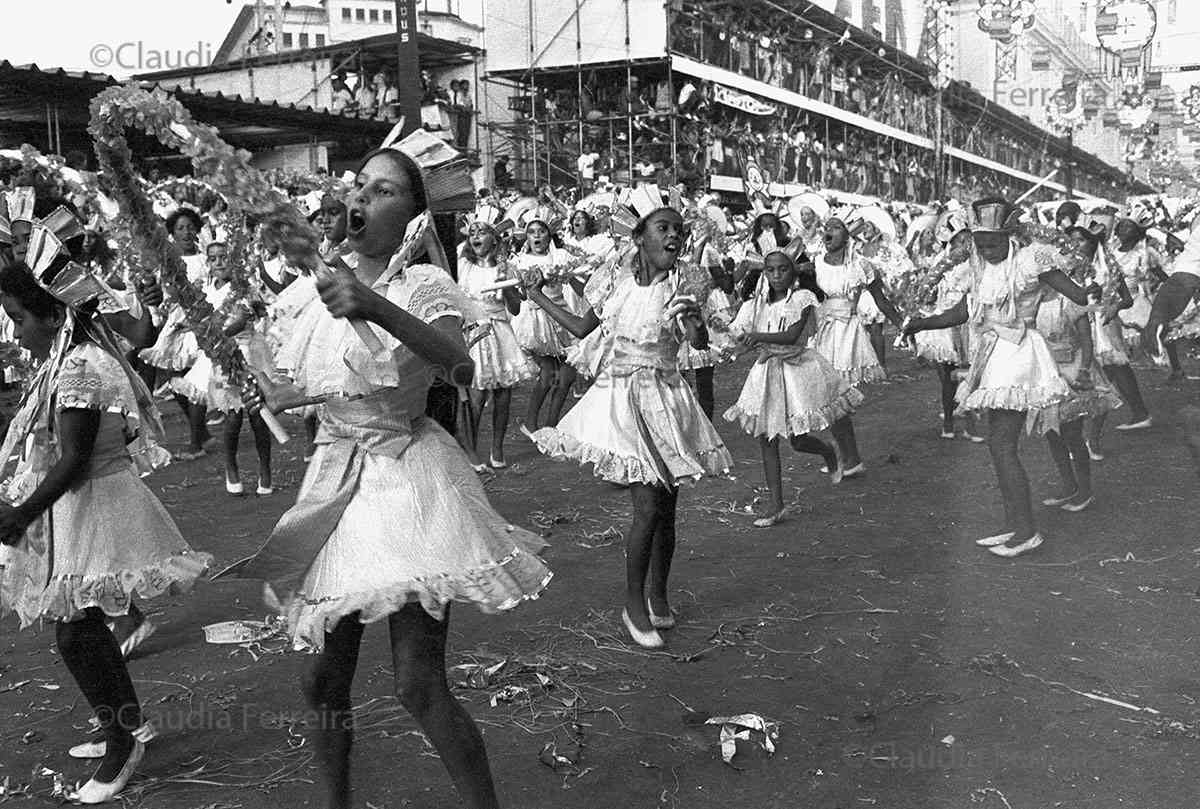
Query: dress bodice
column 842, row 281
column 472, row 278
column 1008, row 294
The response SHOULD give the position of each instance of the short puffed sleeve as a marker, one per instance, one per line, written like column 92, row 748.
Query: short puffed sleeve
column 92, row 379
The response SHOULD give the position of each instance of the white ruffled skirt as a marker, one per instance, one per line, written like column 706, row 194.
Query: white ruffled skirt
column 418, row 529
column 588, row 356
column 845, row 343
column 1020, row 376
column 538, row 333
column 175, row 349
column 868, row 311
column 640, row 427
column 789, row 396
column 499, row 360
column 111, row 539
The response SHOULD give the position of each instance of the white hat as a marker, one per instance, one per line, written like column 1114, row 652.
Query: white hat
column 878, row 217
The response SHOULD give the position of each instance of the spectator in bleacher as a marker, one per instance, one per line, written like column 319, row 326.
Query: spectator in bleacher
column 343, row 100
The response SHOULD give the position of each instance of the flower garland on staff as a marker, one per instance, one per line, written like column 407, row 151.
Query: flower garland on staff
column 118, row 108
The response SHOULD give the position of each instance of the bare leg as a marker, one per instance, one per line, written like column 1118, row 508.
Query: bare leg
column 262, row 448
column 843, row 434
column 93, row 657
column 476, row 402
column 663, row 551
column 327, row 690
column 772, row 470
column 501, row 400
column 639, row 542
column 1127, row 385
column 1072, row 434
column 875, row 330
column 1004, row 436
column 233, row 430
column 563, row 380
column 419, row 660
column 949, row 388
column 1062, row 461
column 541, row 387
column 1176, row 366
column 310, row 433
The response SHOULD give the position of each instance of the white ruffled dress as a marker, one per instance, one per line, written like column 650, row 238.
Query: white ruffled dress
column 947, row 346
column 840, row 336
column 718, row 311
column 1056, row 321
column 537, row 332
column 205, row 383
column 108, row 537
column 790, row 390
column 175, row 348
column 390, row 511
column 640, row 421
column 1012, row 367
column 499, row 360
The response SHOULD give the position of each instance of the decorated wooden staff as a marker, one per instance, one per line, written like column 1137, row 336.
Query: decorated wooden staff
column 118, row 108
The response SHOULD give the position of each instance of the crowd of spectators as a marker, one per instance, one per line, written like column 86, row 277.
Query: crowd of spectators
column 448, row 110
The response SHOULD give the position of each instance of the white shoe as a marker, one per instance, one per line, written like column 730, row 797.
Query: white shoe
column 771, row 519
column 1057, row 501
column 235, row 489
column 854, row 471
column 660, row 621
column 137, row 638
column 263, row 491
column 836, row 476
column 1137, row 425
column 1094, row 454
column 1010, row 551
column 974, row 439
column 1077, row 507
column 647, row 640
column 525, row 432
column 94, row 791
column 998, row 539
column 948, row 435
column 497, row 464
column 98, row 749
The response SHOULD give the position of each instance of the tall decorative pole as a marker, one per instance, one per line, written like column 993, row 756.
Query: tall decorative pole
column 408, row 65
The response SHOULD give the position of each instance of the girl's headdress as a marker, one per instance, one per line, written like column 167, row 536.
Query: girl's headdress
column 636, row 204
column 19, row 202
column 878, row 217
column 53, row 269
column 444, row 171
column 993, row 215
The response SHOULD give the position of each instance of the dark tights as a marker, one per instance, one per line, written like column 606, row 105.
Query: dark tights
column 1127, row 385
column 649, row 549
column 1071, row 457
column 875, row 332
column 419, row 671
column 554, row 379
column 501, row 399
column 772, row 468
column 92, row 655
column 949, row 388
column 1004, row 437
column 262, row 446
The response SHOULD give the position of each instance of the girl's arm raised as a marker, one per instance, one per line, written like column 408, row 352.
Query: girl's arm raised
column 78, row 428
column 579, row 325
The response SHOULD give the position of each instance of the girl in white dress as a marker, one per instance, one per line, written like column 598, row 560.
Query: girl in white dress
column 175, row 350
column 500, row 363
column 1014, row 379
column 791, row 391
column 840, row 336
column 640, row 425
column 82, row 533
column 391, row 522
column 1067, row 328
column 884, row 258
column 543, row 339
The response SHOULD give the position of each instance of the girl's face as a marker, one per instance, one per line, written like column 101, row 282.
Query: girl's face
column 20, row 237
column 808, row 218
column 537, row 237
column 992, row 247
column 218, row 262
column 579, row 225
column 928, row 240
column 835, row 235
column 331, row 221
column 768, row 222
column 661, row 239
column 34, row 334
column 482, row 240
column 780, row 272
column 1082, row 246
column 868, row 232
column 185, row 234
column 380, row 208
column 1127, row 232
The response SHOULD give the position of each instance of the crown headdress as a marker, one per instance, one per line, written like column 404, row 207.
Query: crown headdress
column 50, row 262
column 445, row 172
column 993, row 216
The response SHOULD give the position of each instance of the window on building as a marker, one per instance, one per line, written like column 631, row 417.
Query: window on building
column 346, row 14
column 287, row 39
column 320, row 40
column 374, row 15
column 304, row 40
column 387, row 15
column 360, row 14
